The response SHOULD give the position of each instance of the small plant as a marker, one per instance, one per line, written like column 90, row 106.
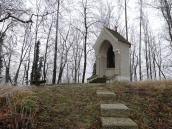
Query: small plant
column 19, row 111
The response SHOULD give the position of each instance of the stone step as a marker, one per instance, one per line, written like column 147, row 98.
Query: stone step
column 106, row 96
column 114, row 110
column 118, row 123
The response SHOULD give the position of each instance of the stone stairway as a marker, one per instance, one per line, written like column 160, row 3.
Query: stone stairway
column 106, row 96
column 114, row 115
column 114, row 110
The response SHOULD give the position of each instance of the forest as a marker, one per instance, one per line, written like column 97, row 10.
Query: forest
column 52, row 40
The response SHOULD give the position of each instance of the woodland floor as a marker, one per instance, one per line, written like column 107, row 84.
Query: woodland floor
column 77, row 107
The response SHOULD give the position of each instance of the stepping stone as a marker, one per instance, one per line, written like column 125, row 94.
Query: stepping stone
column 105, row 93
column 114, row 110
column 106, row 96
column 118, row 123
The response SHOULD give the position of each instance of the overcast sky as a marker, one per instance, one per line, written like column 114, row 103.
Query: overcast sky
column 156, row 21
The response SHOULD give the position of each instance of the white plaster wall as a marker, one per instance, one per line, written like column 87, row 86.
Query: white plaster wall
column 101, row 51
column 125, row 62
column 98, row 66
column 122, row 59
column 105, row 35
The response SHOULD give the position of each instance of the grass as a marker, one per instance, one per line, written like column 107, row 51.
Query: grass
column 18, row 110
column 68, row 107
column 77, row 107
column 151, row 103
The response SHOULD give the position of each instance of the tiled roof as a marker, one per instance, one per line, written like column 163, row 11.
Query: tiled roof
column 118, row 36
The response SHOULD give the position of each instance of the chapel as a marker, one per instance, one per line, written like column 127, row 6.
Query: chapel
column 112, row 57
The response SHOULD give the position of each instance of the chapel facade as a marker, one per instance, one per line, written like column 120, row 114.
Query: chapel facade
column 112, row 56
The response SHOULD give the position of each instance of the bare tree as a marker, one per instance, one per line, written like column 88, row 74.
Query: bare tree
column 155, row 58
column 146, row 41
column 135, row 67
column 56, row 42
column 166, row 9
column 85, row 9
column 126, row 21
column 24, row 74
column 24, row 51
column 64, row 54
column 152, row 52
column 87, row 23
column 46, row 51
column 27, row 67
column 77, row 55
column 132, row 54
column 140, row 43
column 107, row 15
column 160, row 60
column 40, row 17
column 13, row 9
column 1, row 52
column 7, row 70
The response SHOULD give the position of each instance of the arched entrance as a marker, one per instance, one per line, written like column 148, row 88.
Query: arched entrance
column 110, row 58
column 106, row 63
column 107, row 55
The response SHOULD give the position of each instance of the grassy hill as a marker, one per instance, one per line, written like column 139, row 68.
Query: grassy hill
column 77, row 106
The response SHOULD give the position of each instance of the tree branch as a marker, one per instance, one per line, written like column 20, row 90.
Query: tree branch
column 16, row 18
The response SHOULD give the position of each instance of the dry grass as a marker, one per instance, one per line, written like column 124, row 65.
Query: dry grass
column 68, row 107
column 18, row 109
column 150, row 101
column 77, row 107
column 163, row 84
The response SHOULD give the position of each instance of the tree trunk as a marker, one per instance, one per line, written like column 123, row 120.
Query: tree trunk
column 56, row 41
column 140, row 43
column 75, row 70
column 7, row 71
column 85, row 42
column 28, row 68
column 1, row 43
column 17, row 73
column 24, row 74
column 126, row 21
column 24, row 51
column 60, row 74
column 166, row 11
column 46, row 50
column 154, row 66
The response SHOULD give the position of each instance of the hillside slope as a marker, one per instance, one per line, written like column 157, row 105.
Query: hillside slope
column 77, row 106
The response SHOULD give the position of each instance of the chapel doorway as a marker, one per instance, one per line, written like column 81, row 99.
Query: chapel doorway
column 110, row 58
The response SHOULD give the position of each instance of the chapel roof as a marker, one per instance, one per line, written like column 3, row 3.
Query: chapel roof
column 118, row 36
